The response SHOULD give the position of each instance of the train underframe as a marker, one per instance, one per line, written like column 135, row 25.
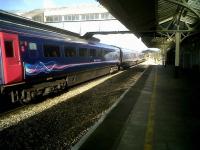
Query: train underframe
column 25, row 92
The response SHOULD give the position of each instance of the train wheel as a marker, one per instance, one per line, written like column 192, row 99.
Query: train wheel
column 114, row 69
column 26, row 98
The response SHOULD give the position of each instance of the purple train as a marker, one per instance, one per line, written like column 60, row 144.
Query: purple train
column 35, row 62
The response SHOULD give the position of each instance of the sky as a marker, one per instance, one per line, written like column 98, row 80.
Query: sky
column 35, row 4
column 129, row 41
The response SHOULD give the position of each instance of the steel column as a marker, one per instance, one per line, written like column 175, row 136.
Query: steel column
column 177, row 51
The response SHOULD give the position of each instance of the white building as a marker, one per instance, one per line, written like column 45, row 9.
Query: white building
column 79, row 19
column 87, row 18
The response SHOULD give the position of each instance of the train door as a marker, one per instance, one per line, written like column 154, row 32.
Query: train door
column 12, row 64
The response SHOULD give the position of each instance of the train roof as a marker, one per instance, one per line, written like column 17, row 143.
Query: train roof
column 101, row 45
column 36, row 32
column 41, row 33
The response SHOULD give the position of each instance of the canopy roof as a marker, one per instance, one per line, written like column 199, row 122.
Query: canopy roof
column 157, row 20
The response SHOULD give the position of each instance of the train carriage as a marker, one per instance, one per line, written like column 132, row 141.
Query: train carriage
column 34, row 63
column 130, row 58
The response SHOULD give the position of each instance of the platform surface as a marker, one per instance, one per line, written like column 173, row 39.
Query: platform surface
column 160, row 112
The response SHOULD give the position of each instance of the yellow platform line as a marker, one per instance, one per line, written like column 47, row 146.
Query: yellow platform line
column 148, row 144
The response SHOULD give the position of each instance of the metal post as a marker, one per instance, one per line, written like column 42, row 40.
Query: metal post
column 177, row 53
column 164, row 57
column 163, row 53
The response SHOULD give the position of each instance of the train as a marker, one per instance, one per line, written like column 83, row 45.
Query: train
column 130, row 58
column 36, row 62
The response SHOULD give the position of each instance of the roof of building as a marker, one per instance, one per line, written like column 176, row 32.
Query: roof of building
column 74, row 9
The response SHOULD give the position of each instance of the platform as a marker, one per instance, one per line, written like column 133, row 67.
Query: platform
column 159, row 112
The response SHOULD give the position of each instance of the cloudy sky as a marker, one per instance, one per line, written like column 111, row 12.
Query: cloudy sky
column 34, row 4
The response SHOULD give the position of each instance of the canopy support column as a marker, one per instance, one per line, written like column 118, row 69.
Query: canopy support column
column 177, row 53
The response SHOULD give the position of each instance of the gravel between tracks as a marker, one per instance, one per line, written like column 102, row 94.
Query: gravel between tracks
column 59, row 122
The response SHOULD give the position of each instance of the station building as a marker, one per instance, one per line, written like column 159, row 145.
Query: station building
column 79, row 19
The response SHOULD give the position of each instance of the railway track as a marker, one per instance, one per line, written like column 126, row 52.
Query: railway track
column 65, row 117
column 16, row 111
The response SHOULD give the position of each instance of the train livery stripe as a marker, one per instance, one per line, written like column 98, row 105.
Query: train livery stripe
column 34, row 69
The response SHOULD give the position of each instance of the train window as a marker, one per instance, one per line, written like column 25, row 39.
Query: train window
column 33, row 53
column 99, row 53
column 51, row 51
column 32, row 46
column 70, row 51
column 93, row 52
column 82, row 52
column 9, row 48
column 104, row 52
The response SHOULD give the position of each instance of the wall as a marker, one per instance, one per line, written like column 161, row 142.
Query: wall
column 190, row 53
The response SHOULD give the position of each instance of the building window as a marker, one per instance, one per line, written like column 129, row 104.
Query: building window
column 91, row 17
column 96, row 16
column 70, row 51
column 78, row 17
column 56, row 18
column 49, row 18
column 83, row 17
column 104, row 15
column 38, row 18
column 83, row 52
column 93, row 52
column 87, row 16
column 71, row 17
column 67, row 17
column 51, row 51
column 9, row 48
column 75, row 17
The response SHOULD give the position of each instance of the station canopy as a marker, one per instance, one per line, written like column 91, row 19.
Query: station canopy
column 156, row 21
